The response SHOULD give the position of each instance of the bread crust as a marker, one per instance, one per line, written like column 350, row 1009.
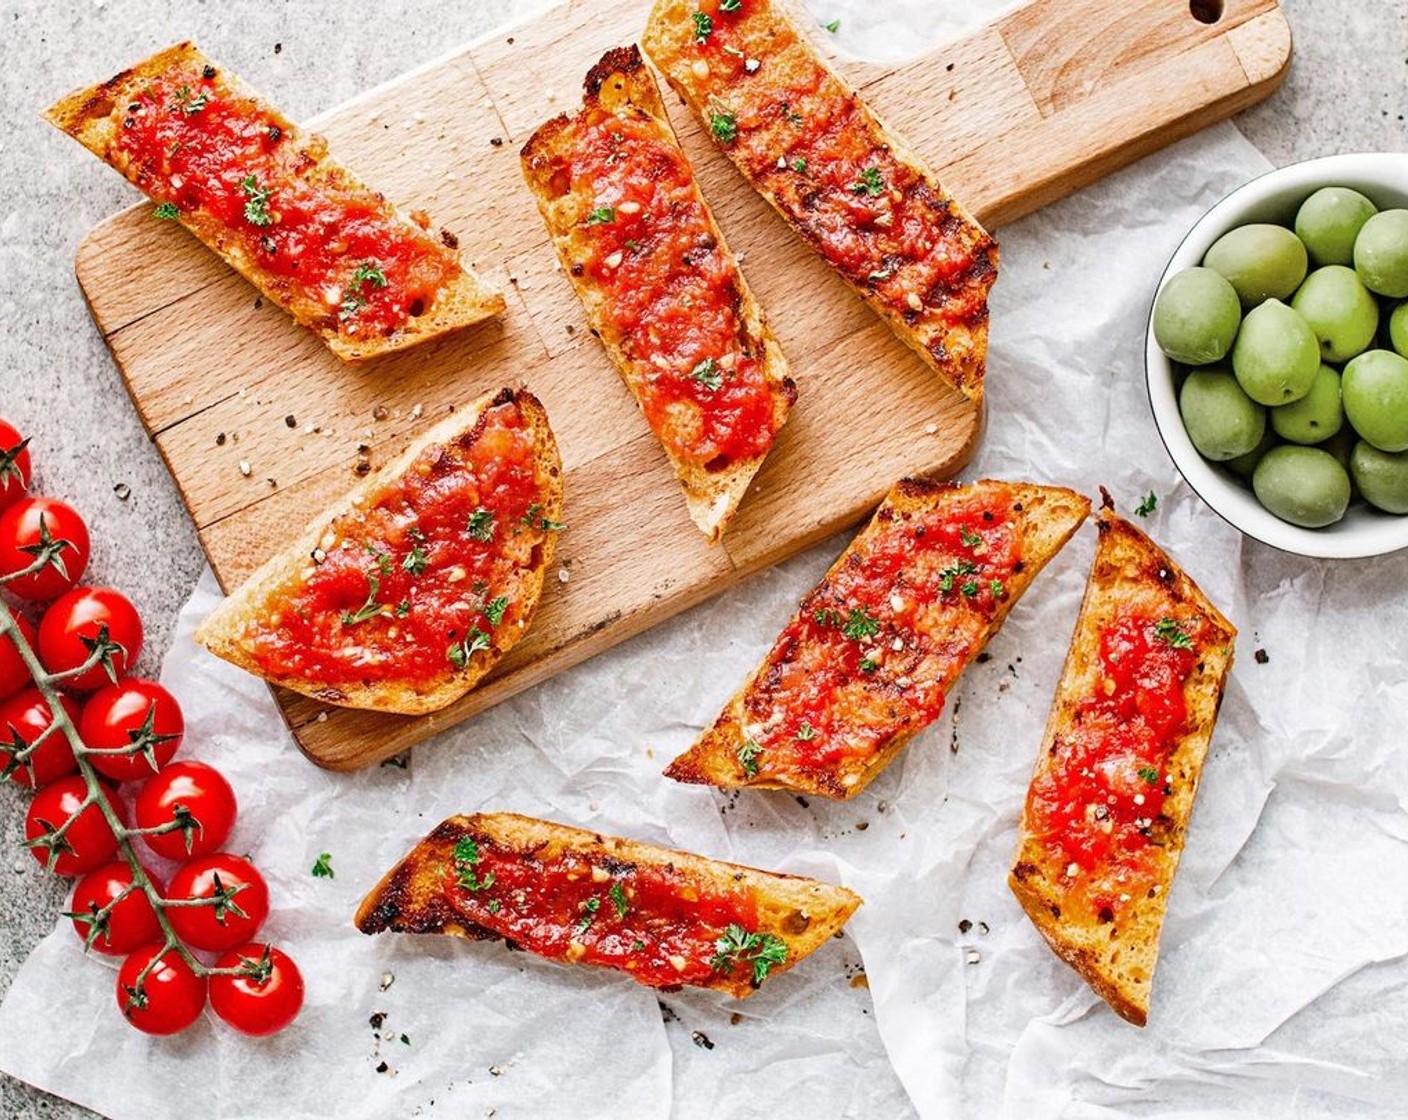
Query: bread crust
column 621, row 84
column 93, row 116
column 224, row 632
column 410, row 898
column 953, row 345
column 1047, row 515
column 1117, row 958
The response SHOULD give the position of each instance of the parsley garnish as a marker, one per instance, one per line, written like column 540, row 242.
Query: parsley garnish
column 1147, row 504
column 466, row 860
column 601, row 216
column 870, row 182
column 382, row 558
column 763, row 951
column 618, row 899
column 748, row 756
column 868, row 666
column 481, row 524
column 322, row 869
column 970, row 587
column 860, row 626
column 833, row 27
column 494, row 610
column 703, row 26
column 731, row 6
column 723, row 126
column 800, row 166
column 826, row 618
column 368, row 272
column 190, row 103
column 970, row 538
column 1169, row 632
column 416, row 561
column 167, row 212
column 494, row 906
column 536, row 519
column 999, row 591
column 806, row 733
column 403, row 608
column 256, row 209
column 591, row 906
column 459, row 653
column 1149, row 774
column 707, row 374
column 948, row 575
column 370, row 609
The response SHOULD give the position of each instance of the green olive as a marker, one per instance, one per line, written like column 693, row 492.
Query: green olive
column 1381, row 254
column 1381, row 476
column 1316, row 416
column 1340, row 310
column 1398, row 329
column 1330, row 220
column 1276, row 355
column 1243, row 466
column 1302, row 485
column 1261, row 261
column 1222, row 421
column 1375, row 388
column 1196, row 317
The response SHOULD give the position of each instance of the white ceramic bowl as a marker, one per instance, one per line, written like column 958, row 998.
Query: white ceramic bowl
column 1275, row 197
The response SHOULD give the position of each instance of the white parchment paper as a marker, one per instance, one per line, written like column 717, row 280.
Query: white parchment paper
column 1283, row 988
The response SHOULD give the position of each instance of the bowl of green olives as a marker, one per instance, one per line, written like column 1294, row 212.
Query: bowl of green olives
column 1277, row 357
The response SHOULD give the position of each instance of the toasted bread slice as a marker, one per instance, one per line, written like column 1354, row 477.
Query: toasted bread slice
column 866, row 662
column 661, row 289
column 870, row 207
column 403, row 595
column 1108, row 809
column 665, row 918
column 268, row 198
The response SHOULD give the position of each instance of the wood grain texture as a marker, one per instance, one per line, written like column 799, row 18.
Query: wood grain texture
column 1045, row 100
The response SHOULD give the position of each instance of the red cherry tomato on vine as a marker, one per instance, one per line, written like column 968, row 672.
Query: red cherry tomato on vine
column 87, row 843
column 129, row 925
column 125, row 714
column 242, row 902
column 208, row 803
column 13, row 673
column 171, row 996
column 43, row 529
column 72, row 629
column 265, row 998
column 15, row 473
column 26, row 716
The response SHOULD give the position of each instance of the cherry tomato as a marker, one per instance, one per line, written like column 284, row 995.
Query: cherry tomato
column 218, row 926
column 25, row 717
column 13, row 674
column 128, row 926
column 266, row 998
column 48, row 529
column 208, row 803
column 88, row 843
column 125, row 714
column 15, row 473
column 71, row 630
column 170, row 998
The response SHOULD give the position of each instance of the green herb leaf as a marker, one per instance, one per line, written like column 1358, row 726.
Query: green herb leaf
column 403, row 608
column 1149, row 774
column 591, row 906
column 860, row 626
column 970, row 539
column 618, row 899
column 1147, row 504
column 970, row 587
column 382, row 558
column 948, row 575
column 731, row 6
column 748, row 756
column 998, row 589
column 799, row 165
column 256, row 208
column 459, row 653
column 703, row 26
column 833, row 27
column 466, row 861
column 494, row 610
column 826, row 618
column 167, row 212
column 707, row 374
column 322, row 869
column 723, row 126
column 416, row 561
column 870, row 183
column 764, row 951
column 602, row 216
column 536, row 519
column 481, row 524
column 370, row 609
column 806, row 733
column 353, row 299
column 1171, row 634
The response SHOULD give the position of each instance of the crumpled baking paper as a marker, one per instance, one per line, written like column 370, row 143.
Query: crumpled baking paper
column 1283, row 987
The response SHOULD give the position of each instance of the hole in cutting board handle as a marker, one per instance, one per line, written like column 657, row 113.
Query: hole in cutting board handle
column 1205, row 11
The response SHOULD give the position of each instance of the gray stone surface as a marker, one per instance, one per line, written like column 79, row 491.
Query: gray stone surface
column 1347, row 91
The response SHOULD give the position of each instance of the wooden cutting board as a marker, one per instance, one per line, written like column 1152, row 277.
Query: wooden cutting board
column 261, row 426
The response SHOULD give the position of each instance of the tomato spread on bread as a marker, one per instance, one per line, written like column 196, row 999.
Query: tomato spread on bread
column 1098, row 805
column 814, row 149
column 873, row 649
column 198, row 147
column 420, row 576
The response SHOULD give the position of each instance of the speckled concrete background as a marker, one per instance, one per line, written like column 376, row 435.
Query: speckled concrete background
column 1348, row 91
